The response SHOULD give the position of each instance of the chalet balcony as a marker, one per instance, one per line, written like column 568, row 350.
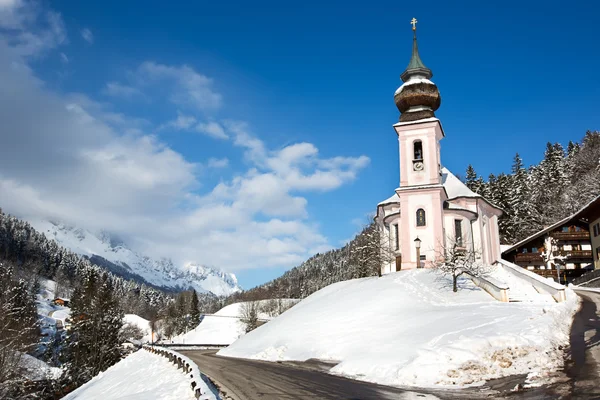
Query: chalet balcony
column 574, row 253
column 581, row 235
column 529, row 258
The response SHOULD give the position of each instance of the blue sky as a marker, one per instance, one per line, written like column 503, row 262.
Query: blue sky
column 208, row 115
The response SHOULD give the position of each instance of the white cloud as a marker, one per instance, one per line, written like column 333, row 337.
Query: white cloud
column 64, row 58
column 119, row 90
column 83, row 162
column 212, row 129
column 189, row 88
column 30, row 29
column 87, row 35
column 218, row 162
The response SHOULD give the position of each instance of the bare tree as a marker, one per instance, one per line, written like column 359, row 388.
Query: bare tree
column 456, row 260
column 131, row 332
column 552, row 257
column 249, row 314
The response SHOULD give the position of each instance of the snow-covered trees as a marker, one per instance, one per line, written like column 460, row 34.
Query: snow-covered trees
column 94, row 341
column 533, row 198
column 18, row 328
column 370, row 250
column 249, row 311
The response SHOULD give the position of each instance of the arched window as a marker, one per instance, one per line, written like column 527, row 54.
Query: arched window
column 421, row 217
column 417, row 150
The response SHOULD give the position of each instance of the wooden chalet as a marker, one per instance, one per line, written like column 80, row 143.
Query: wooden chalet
column 571, row 251
column 59, row 301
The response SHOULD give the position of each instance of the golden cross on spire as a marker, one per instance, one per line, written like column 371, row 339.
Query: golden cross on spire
column 414, row 23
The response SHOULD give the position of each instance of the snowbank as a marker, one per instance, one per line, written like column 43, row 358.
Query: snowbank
column 265, row 312
column 139, row 376
column 225, row 327
column 36, row 370
column 409, row 328
column 218, row 330
column 142, row 323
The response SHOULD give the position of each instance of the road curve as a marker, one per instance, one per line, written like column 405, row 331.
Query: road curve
column 243, row 379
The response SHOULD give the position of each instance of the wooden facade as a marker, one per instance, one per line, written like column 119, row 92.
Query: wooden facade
column 572, row 253
column 570, row 256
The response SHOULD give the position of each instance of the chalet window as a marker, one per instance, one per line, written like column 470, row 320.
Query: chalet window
column 458, row 232
column 534, row 250
column 421, row 217
column 565, row 229
column 524, row 250
column 396, row 237
column 418, row 150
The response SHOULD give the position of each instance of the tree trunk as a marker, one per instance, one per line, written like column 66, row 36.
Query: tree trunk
column 454, row 285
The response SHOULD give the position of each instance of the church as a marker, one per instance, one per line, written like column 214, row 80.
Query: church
column 431, row 210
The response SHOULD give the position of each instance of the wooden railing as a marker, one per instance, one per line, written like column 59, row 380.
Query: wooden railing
column 574, row 253
column 581, row 235
column 525, row 257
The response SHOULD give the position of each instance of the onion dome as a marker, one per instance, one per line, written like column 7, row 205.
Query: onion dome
column 418, row 97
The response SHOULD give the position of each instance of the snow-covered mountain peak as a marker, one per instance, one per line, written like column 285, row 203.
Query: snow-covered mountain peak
column 103, row 246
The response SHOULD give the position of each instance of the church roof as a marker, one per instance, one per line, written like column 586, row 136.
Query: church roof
column 392, row 199
column 454, row 187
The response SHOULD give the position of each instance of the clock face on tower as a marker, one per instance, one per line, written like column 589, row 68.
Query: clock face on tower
column 418, row 166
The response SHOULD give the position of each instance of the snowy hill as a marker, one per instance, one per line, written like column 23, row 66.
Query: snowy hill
column 106, row 251
column 224, row 327
column 408, row 328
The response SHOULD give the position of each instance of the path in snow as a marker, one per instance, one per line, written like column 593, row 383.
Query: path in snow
column 140, row 376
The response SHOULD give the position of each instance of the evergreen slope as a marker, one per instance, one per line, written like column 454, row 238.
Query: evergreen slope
column 538, row 196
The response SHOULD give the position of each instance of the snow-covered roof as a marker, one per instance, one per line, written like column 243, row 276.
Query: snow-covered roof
column 418, row 121
column 454, row 187
column 392, row 199
column 412, row 81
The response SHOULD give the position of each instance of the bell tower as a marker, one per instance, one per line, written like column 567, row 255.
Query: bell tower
column 421, row 192
column 417, row 100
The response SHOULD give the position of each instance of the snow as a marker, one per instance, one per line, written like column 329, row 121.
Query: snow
column 37, row 370
column 160, row 272
column 224, row 327
column 235, row 309
column 454, row 187
column 61, row 314
column 392, row 199
column 409, row 328
column 140, row 376
column 412, row 81
column 213, row 329
column 142, row 323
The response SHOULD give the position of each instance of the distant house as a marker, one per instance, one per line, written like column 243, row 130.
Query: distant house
column 59, row 301
column 565, row 250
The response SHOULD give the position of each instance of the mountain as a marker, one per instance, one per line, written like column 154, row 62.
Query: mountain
column 113, row 254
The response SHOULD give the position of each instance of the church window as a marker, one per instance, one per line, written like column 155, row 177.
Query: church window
column 418, row 150
column 458, row 232
column 396, row 237
column 421, row 217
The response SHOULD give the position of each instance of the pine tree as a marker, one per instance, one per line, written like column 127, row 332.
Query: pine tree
column 194, row 311
column 471, row 179
column 93, row 342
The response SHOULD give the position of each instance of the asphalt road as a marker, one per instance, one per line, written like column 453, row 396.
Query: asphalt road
column 242, row 379
column 583, row 368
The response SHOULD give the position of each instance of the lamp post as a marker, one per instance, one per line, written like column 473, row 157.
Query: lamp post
column 418, row 247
